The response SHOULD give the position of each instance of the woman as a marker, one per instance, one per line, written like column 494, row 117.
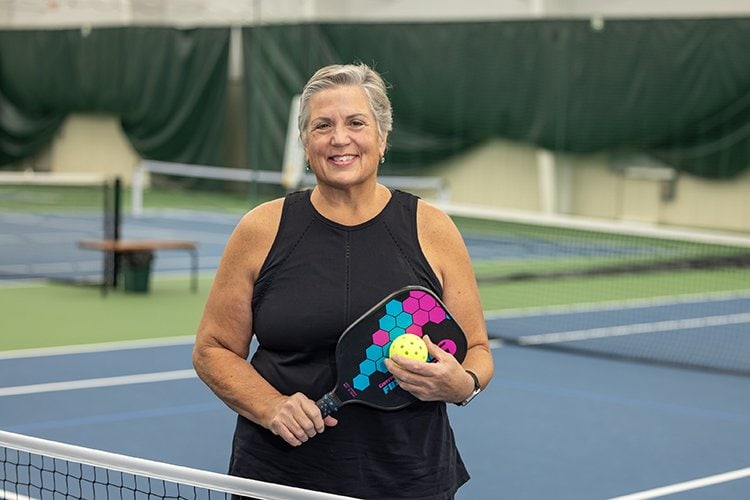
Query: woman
column 297, row 271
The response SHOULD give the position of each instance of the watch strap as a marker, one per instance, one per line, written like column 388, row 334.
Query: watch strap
column 477, row 389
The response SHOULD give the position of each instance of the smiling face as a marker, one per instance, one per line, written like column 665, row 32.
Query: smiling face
column 343, row 144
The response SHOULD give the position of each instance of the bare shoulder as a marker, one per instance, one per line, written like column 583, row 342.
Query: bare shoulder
column 253, row 236
column 263, row 218
column 441, row 243
column 435, row 226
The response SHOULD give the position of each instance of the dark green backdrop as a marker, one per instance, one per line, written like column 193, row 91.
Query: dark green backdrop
column 678, row 89
column 167, row 86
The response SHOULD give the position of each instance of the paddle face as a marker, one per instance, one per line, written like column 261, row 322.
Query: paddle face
column 364, row 346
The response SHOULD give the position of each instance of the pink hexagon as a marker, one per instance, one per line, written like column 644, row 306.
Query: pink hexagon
column 411, row 304
column 415, row 329
column 417, row 294
column 427, row 303
column 437, row 315
column 380, row 338
column 420, row 318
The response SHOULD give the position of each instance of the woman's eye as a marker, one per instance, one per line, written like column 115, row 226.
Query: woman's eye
column 320, row 126
column 357, row 123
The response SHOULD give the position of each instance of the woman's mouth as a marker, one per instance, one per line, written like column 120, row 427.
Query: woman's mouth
column 342, row 159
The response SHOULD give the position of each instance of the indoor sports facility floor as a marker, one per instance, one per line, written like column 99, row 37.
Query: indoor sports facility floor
column 551, row 424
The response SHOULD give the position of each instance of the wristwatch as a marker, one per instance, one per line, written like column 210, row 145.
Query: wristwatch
column 477, row 389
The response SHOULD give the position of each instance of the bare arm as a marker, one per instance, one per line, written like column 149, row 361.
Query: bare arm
column 225, row 331
column 446, row 252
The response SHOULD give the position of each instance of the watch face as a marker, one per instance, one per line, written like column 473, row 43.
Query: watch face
column 471, row 396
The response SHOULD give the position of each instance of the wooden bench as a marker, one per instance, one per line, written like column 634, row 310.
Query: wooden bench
column 114, row 247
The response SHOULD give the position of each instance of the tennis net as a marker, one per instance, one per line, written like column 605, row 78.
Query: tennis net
column 175, row 186
column 42, row 469
column 672, row 296
column 44, row 215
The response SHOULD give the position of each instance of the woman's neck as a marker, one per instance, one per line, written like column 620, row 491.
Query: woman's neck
column 350, row 207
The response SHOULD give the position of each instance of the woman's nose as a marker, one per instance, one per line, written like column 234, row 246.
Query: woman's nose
column 340, row 136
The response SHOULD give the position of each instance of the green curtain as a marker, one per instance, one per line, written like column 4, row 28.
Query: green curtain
column 167, row 86
column 678, row 89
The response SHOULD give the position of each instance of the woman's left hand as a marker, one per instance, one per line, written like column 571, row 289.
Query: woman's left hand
column 443, row 379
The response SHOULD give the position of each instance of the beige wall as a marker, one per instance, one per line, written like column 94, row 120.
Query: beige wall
column 93, row 143
column 704, row 203
column 504, row 175
column 498, row 174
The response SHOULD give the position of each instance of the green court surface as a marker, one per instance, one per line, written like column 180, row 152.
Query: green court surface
column 44, row 315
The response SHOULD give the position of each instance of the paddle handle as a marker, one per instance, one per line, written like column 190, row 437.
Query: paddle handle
column 328, row 403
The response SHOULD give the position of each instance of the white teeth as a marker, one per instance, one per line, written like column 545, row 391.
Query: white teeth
column 342, row 158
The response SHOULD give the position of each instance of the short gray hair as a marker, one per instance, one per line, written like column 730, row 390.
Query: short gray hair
column 348, row 74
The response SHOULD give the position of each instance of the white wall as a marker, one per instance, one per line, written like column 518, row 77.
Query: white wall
column 54, row 13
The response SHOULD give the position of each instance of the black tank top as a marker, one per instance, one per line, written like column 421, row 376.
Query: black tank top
column 320, row 276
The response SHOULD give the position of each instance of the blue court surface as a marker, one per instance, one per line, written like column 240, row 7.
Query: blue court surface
column 551, row 425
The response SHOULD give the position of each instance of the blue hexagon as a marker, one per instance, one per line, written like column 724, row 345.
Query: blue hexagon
column 374, row 352
column 404, row 320
column 361, row 382
column 394, row 307
column 367, row 367
column 387, row 323
column 396, row 332
column 380, row 366
column 387, row 349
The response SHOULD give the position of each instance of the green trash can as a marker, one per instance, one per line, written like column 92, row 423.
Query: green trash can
column 135, row 269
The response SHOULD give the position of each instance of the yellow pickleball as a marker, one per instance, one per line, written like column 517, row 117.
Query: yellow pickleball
column 409, row 346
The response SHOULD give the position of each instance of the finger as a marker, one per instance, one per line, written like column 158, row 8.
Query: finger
column 433, row 349
column 284, row 433
column 315, row 418
column 399, row 366
column 437, row 352
column 306, row 415
column 293, row 422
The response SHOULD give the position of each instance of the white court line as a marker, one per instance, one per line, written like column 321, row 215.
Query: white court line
column 634, row 329
column 9, row 495
column 97, row 347
column 610, row 305
column 688, row 485
column 141, row 378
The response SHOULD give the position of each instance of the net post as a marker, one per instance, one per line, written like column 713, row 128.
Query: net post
column 136, row 186
column 117, row 216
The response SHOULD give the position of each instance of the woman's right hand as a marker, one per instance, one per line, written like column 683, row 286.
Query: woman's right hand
column 297, row 418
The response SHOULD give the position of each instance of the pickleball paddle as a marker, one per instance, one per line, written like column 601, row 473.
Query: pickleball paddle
column 365, row 344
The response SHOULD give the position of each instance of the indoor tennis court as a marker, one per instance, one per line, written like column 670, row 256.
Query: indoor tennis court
column 595, row 157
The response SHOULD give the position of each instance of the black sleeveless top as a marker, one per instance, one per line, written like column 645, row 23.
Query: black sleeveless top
column 320, row 276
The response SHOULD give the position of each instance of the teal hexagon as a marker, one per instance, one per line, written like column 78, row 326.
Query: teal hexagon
column 367, row 367
column 361, row 382
column 387, row 323
column 396, row 332
column 394, row 308
column 380, row 366
column 374, row 352
column 404, row 320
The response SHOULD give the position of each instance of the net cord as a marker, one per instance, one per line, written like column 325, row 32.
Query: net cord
column 263, row 177
column 52, row 178
column 158, row 470
column 597, row 225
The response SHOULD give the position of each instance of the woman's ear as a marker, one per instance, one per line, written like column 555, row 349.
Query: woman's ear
column 383, row 145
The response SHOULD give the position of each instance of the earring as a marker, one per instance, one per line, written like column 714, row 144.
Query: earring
column 382, row 159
